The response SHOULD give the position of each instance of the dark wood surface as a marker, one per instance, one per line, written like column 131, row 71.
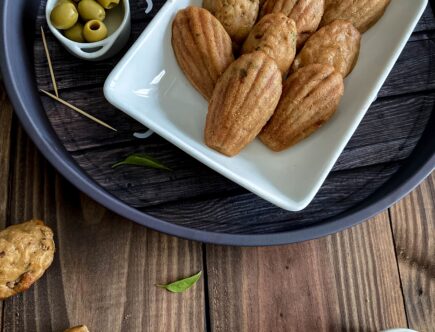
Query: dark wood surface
column 374, row 276
column 195, row 196
column 414, row 234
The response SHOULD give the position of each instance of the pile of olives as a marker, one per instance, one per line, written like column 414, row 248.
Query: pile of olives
column 82, row 20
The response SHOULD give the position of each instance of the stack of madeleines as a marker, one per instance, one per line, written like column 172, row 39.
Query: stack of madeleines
column 272, row 68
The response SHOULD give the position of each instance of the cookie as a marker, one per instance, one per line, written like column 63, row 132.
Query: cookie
column 26, row 252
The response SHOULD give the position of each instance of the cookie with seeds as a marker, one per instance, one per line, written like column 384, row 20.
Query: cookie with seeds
column 275, row 34
column 26, row 252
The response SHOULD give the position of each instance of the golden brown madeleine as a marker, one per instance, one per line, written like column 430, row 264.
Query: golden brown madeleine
column 26, row 251
column 363, row 14
column 275, row 34
column 79, row 328
column 243, row 101
column 306, row 14
column 202, row 47
column 336, row 44
column 237, row 16
column 262, row 3
column 310, row 97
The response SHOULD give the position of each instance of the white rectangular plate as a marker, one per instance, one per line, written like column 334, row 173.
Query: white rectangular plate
column 148, row 85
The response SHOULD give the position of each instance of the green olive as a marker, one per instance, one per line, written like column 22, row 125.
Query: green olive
column 75, row 33
column 64, row 16
column 91, row 10
column 94, row 31
column 108, row 4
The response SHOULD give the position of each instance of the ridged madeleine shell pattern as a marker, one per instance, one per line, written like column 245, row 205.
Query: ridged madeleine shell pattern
column 336, row 44
column 202, row 47
column 275, row 34
column 310, row 97
column 362, row 13
column 237, row 16
column 243, row 101
column 307, row 14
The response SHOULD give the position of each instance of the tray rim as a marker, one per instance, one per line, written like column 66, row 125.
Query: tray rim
column 17, row 69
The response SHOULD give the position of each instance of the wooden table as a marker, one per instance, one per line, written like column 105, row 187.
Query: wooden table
column 380, row 274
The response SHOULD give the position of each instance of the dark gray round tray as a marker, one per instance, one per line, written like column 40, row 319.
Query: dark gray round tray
column 391, row 152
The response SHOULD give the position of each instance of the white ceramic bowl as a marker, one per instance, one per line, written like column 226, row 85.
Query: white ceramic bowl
column 118, row 26
column 148, row 85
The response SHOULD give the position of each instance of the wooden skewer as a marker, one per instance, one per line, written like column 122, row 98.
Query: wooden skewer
column 47, row 53
column 60, row 100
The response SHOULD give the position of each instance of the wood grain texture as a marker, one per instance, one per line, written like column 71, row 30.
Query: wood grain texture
column 389, row 123
column 413, row 72
column 345, row 282
column 413, row 221
column 426, row 22
column 105, row 268
column 385, row 138
column 5, row 156
column 242, row 212
column 5, row 152
column 388, row 133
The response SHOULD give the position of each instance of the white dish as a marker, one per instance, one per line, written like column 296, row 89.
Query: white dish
column 148, row 85
column 118, row 27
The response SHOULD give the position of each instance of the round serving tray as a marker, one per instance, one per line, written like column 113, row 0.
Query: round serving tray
column 391, row 152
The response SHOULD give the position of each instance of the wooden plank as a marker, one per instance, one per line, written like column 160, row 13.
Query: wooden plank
column 105, row 268
column 144, row 187
column 5, row 152
column 391, row 125
column 413, row 71
column 140, row 186
column 78, row 132
column 245, row 213
column 345, row 282
column 413, row 221
column 5, row 155
column 427, row 21
column 70, row 71
column 389, row 133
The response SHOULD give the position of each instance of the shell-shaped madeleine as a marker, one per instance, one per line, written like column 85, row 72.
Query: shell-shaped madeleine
column 237, row 16
column 310, row 97
column 307, row 14
column 202, row 47
column 275, row 34
column 336, row 44
column 362, row 13
column 243, row 101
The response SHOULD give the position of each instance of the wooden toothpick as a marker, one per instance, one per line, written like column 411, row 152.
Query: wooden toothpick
column 47, row 54
column 78, row 110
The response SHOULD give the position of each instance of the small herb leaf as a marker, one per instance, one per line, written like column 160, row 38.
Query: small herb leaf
column 140, row 159
column 182, row 284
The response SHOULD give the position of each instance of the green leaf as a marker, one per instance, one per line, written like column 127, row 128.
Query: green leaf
column 140, row 159
column 182, row 284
